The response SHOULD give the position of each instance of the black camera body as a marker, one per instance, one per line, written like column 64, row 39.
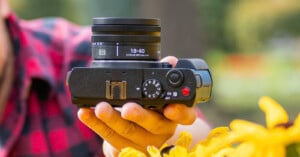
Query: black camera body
column 125, row 68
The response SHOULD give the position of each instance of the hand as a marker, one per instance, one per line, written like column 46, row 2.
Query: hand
column 4, row 9
column 135, row 126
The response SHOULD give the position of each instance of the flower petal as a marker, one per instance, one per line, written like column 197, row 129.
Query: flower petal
column 178, row 151
column 217, row 135
column 224, row 152
column 184, row 139
column 199, row 152
column 129, row 152
column 293, row 132
column 243, row 130
column 275, row 113
column 245, row 149
column 153, row 151
column 278, row 151
column 217, row 132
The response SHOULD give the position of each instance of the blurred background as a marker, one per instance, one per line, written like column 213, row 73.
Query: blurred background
column 252, row 47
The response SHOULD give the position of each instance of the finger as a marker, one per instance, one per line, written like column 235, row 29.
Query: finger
column 180, row 113
column 170, row 59
column 125, row 128
column 152, row 121
column 88, row 117
column 109, row 150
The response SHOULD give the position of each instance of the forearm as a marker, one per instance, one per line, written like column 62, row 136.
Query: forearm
column 2, row 58
column 5, row 58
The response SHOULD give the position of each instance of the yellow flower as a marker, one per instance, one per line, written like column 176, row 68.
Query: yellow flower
column 270, row 141
column 228, row 151
column 279, row 138
column 153, row 151
column 249, row 139
column 177, row 151
column 184, row 140
column 216, row 140
column 131, row 152
column 275, row 114
column 181, row 146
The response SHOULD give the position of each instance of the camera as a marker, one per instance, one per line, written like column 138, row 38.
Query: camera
column 126, row 68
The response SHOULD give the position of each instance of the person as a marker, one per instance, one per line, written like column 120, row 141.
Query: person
column 36, row 114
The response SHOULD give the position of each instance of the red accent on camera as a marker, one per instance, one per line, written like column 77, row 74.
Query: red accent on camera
column 186, row 91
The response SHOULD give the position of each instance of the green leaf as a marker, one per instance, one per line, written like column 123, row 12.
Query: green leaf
column 293, row 150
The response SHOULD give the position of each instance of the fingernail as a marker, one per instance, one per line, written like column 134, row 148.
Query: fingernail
column 130, row 111
column 84, row 114
column 103, row 110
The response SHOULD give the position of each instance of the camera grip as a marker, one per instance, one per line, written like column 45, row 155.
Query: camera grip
column 192, row 63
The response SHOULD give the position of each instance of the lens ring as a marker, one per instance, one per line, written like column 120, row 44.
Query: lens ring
column 125, row 21
column 126, row 39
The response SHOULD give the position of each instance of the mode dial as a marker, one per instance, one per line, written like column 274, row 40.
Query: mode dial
column 152, row 88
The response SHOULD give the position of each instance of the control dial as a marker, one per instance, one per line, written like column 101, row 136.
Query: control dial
column 152, row 88
column 174, row 78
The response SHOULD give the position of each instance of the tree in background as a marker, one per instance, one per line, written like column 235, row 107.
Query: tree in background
column 213, row 15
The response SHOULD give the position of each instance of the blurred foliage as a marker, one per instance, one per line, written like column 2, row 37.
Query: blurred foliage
column 40, row 8
column 246, row 26
column 241, row 79
column 104, row 8
column 250, row 24
column 213, row 19
column 263, row 39
column 78, row 11
column 245, row 78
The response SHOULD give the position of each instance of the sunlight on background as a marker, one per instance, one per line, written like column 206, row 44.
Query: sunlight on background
column 252, row 47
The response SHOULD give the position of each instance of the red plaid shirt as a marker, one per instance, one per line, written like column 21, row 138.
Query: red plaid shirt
column 39, row 119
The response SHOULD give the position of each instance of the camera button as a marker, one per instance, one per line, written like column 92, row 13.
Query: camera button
column 174, row 78
column 186, row 91
column 152, row 88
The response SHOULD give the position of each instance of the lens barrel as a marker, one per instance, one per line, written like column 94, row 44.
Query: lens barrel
column 126, row 39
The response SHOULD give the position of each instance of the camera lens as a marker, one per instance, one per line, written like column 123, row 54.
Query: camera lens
column 126, row 39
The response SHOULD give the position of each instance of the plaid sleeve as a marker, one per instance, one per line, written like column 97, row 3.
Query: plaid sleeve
column 39, row 119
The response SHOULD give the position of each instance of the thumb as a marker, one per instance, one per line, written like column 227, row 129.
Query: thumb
column 180, row 113
column 170, row 59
